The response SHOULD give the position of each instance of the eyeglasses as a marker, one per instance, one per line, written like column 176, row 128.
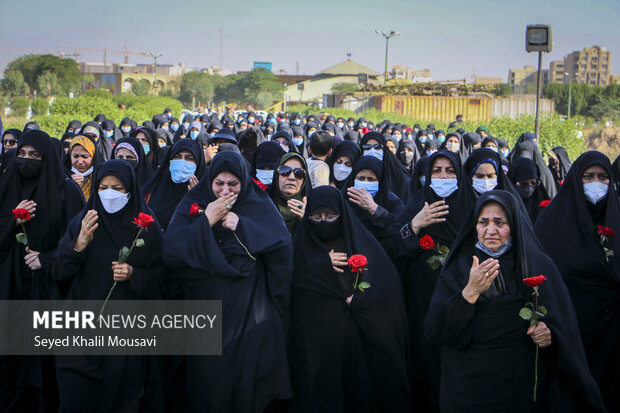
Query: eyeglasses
column 10, row 142
column 285, row 171
column 328, row 218
column 375, row 146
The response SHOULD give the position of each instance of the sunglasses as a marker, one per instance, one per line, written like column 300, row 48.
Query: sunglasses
column 328, row 218
column 10, row 142
column 375, row 146
column 285, row 171
column 526, row 183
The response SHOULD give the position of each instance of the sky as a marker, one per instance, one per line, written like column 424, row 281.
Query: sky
column 452, row 38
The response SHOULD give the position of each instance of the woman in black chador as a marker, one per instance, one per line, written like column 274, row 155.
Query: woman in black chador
column 488, row 352
column 85, row 268
column 347, row 347
column 568, row 230
column 238, row 251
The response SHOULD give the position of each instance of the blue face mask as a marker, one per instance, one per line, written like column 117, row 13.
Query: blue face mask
column 431, row 136
column 441, row 138
column 377, row 153
column 423, row 138
column 298, row 141
column 174, row 127
column 147, row 148
column 194, row 134
column 422, row 180
column 371, row 187
column 429, row 152
column 398, row 137
column 496, row 253
column 505, row 152
column 108, row 133
column 297, row 122
column 264, row 176
column 185, row 125
column 444, row 187
column 181, row 170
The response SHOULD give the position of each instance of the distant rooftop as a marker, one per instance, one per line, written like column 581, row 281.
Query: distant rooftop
column 348, row 67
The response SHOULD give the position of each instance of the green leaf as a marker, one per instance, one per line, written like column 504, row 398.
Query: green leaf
column 444, row 250
column 22, row 238
column 540, row 315
column 533, row 321
column 542, row 309
column 359, row 287
column 526, row 313
column 139, row 242
column 434, row 262
column 123, row 254
column 364, row 285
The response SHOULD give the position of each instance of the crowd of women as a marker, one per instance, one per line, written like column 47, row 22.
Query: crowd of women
column 271, row 216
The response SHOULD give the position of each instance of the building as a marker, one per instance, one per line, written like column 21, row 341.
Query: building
column 313, row 89
column 590, row 65
column 556, row 71
column 479, row 80
column 407, row 73
column 614, row 80
column 523, row 81
column 119, row 77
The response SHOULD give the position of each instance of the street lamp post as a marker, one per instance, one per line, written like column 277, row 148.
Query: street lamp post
column 570, row 89
column 155, row 57
column 387, row 36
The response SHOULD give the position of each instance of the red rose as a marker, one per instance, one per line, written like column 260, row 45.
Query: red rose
column 261, row 185
column 561, row 182
column 143, row 220
column 365, row 131
column 427, row 243
column 195, row 210
column 21, row 213
column 543, row 204
column 357, row 262
column 606, row 232
column 534, row 281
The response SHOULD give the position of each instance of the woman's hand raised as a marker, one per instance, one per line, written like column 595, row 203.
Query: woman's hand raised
column 481, row 277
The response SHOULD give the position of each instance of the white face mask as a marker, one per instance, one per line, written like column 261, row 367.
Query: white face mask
column 398, row 137
column 444, row 187
column 264, row 176
column 453, row 146
column 483, row 185
column 377, row 153
column 113, row 200
column 595, row 191
column 88, row 172
column 341, row 171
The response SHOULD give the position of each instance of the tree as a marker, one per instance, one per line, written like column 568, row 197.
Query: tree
column 502, row 89
column 32, row 66
column 48, row 84
column 141, row 88
column 198, row 86
column 261, row 88
column 552, row 90
column 13, row 84
column 345, row 88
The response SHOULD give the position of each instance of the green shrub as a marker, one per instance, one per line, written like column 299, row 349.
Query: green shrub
column 19, row 106
column 98, row 93
column 40, row 106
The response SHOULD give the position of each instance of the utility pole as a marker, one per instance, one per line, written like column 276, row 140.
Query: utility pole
column 155, row 57
column 387, row 36
column 570, row 89
column 538, row 39
column 538, row 91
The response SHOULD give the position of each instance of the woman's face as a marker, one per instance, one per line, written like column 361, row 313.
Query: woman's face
column 81, row 159
column 111, row 182
column 492, row 226
column 142, row 138
column 290, row 185
column 372, row 142
column 225, row 183
column 344, row 160
column 126, row 155
column 490, row 144
column 28, row 152
column 390, row 145
column 485, row 171
column 595, row 173
column 184, row 156
column 453, row 140
column 9, row 141
column 443, row 169
column 366, row 175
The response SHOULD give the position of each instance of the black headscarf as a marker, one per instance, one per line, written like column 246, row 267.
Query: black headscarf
column 154, row 149
column 567, row 229
column 58, row 199
column 213, row 263
column 563, row 164
column 75, row 125
column 526, row 147
column 267, row 153
column 3, row 161
column 394, row 171
column 615, row 169
column 462, row 153
column 144, row 171
column 408, row 143
column 470, row 139
column 108, row 124
column 485, row 345
column 344, row 148
column 524, row 169
column 249, row 140
column 389, row 204
column 280, row 200
column 163, row 194
column 104, row 146
column 127, row 122
column 419, row 171
column 354, row 357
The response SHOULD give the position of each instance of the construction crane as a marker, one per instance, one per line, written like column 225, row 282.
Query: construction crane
column 124, row 52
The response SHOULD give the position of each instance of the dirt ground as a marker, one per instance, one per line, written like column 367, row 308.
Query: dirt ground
column 606, row 141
